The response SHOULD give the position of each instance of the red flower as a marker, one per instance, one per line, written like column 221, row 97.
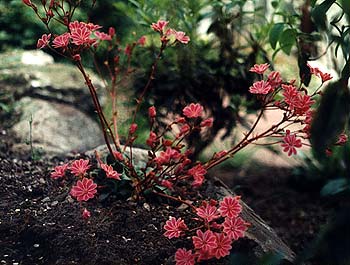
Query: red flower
column 193, row 110
column 235, row 228
column 197, row 173
column 230, row 207
column 184, row 257
column 110, row 172
column 84, row 190
column 223, row 246
column 167, row 184
column 208, row 212
column 174, row 227
column 259, row 68
column 290, row 143
column 61, row 41
column 79, row 167
column 204, row 241
column 86, row 214
column 159, row 26
column 43, row 41
column 220, row 154
column 59, row 171
column 260, row 87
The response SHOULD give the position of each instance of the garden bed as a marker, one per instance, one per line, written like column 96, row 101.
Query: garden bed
column 40, row 224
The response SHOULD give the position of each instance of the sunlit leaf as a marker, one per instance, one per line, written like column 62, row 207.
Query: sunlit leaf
column 335, row 186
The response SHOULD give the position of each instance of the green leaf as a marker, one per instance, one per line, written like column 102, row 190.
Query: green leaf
column 335, row 186
column 330, row 118
column 275, row 33
column 287, row 40
column 319, row 13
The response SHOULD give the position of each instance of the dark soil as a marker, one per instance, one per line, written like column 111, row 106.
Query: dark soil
column 41, row 224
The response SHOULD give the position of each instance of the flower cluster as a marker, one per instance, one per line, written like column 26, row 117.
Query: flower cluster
column 166, row 33
column 222, row 226
column 294, row 101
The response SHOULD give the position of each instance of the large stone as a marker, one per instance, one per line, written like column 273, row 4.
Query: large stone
column 56, row 128
column 32, row 73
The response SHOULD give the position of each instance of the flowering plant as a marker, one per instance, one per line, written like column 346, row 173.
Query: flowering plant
column 168, row 167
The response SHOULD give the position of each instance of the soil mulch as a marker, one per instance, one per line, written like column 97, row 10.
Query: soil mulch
column 41, row 224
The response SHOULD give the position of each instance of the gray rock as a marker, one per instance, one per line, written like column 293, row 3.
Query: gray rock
column 56, row 128
column 32, row 73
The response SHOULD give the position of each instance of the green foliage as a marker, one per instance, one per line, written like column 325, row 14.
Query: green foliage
column 212, row 68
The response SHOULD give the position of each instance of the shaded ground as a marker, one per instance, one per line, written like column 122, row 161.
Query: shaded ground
column 40, row 224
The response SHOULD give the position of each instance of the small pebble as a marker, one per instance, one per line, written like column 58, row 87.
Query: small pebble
column 42, row 181
column 54, row 203
column 36, row 245
column 147, row 207
column 46, row 199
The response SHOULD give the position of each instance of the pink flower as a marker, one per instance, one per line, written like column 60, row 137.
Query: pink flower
column 274, row 79
column 76, row 57
column 260, row 87
column 207, row 122
column 223, row 246
column 84, row 190
column 230, row 207
column 102, row 35
column 197, row 173
column 128, row 50
column 79, row 167
column 184, row 257
column 142, row 40
column 259, row 68
column 110, row 172
column 91, row 26
column 208, row 212
column 184, row 130
column 167, row 156
column 174, row 227
column 152, row 112
column 81, row 35
column 302, row 104
column 43, row 41
column 159, row 26
column 193, row 110
column 133, row 128
column 61, row 41
column 86, row 214
column 290, row 143
column 181, row 36
column 235, row 228
column 204, row 241
column 59, row 171
column 290, row 95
